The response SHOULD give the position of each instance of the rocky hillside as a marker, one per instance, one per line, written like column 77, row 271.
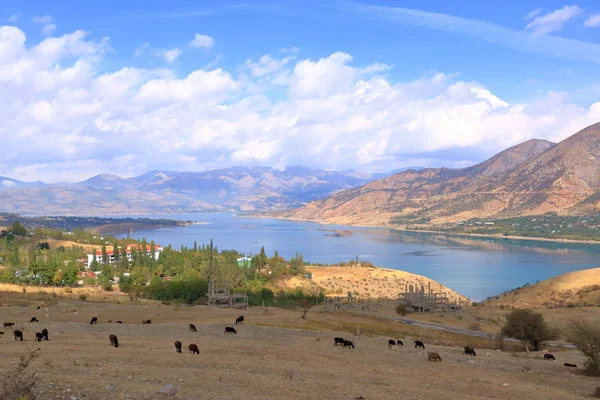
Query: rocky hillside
column 531, row 178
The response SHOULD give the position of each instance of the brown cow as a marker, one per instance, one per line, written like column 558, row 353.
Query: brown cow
column 431, row 356
column 194, row 349
column 114, row 341
column 178, row 346
column 192, row 328
column 8, row 324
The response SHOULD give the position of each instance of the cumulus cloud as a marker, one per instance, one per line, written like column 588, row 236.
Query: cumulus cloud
column 202, row 41
column 169, row 55
column 79, row 120
column 593, row 21
column 48, row 29
column 553, row 21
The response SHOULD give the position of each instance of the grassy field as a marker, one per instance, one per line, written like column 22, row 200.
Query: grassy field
column 275, row 355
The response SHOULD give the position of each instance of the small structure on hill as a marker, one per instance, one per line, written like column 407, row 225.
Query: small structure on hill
column 419, row 300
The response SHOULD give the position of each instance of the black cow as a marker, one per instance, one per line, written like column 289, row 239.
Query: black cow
column 178, row 346
column 192, row 328
column 38, row 337
column 119, row 322
column 470, row 351
column 18, row 335
column 33, row 319
column 45, row 334
column 549, row 357
column 399, row 343
column 348, row 344
column 230, row 329
column 338, row 341
column 391, row 343
column 94, row 321
column 194, row 349
column 114, row 341
column 38, row 307
column 146, row 322
column 420, row 344
column 239, row 320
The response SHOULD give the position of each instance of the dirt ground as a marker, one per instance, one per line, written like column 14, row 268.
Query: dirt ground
column 267, row 359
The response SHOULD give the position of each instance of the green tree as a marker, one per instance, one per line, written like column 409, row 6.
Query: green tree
column 529, row 327
column 586, row 337
column 141, row 275
column 18, row 229
column 104, row 254
column 116, row 254
column 402, row 309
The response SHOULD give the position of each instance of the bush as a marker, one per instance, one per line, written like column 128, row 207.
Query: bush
column 529, row 327
column 82, row 297
column 475, row 326
column 586, row 337
column 17, row 384
column 402, row 309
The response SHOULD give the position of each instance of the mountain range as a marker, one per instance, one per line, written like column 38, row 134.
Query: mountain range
column 531, row 178
column 230, row 189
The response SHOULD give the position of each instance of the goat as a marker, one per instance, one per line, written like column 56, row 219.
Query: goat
column 146, row 322
column 114, row 341
column 178, row 346
column 549, row 356
column 570, row 365
column 348, row 344
column 239, row 320
column 399, row 343
column 192, row 328
column 431, row 356
column 8, row 324
column 470, row 351
column 391, row 343
column 45, row 334
column 194, row 349
column 94, row 321
column 18, row 335
column 420, row 344
column 38, row 337
column 33, row 319
column 230, row 329
column 338, row 341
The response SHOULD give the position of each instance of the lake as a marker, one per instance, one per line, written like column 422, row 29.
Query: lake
column 475, row 267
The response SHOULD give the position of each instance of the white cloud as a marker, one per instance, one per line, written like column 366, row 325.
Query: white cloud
column 13, row 19
column 593, row 21
column 170, row 55
column 533, row 13
column 291, row 50
column 202, row 41
column 44, row 19
column 78, row 120
column 142, row 49
column 48, row 29
column 553, row 21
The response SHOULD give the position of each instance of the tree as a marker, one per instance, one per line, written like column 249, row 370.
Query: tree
column 18, row 229
column 402, row 309
column 116, row 252
column 141, row 275
column 306, row 304
column 529, row 327
column 104, row 254
column 586, row 337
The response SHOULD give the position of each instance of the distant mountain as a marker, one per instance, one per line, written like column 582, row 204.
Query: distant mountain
column 531, row 178
column 9, row 183
column 228, row 189
column 381, row 175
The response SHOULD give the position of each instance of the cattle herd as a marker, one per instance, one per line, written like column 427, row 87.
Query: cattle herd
column 193, row 348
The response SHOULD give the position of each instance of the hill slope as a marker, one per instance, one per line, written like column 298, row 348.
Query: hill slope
column 531, row 178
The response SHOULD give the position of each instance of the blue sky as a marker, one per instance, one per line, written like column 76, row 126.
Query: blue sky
column 368, row 85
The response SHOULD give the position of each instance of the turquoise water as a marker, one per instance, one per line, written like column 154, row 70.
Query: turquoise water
column 475, row 267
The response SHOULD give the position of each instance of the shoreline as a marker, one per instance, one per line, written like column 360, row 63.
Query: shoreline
column 463, row 234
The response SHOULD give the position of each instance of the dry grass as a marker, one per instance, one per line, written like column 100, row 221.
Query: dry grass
column 17, row 384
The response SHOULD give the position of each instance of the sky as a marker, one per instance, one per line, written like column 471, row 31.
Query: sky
column 124, row 87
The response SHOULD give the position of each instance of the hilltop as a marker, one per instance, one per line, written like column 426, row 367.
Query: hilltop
column 531, row 178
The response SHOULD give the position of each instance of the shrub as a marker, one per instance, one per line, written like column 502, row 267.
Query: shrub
column 16, row 384
column 529, row 327
column 586, row 337
column 475, row 326
column 68, row 290
column 402, row 309
column 82, row 297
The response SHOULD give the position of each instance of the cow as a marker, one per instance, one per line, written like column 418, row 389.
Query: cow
column 178, row 346
column 549, row 357
column 94, row 321
column 38, row 337
column 391, row 343
column 33, row 319
column 230, row 329
column 146, row 322
column 119, row 322
column 420, row 344
column 431, row 356
column 399, row 343
column 8, row 324
column 570, row 365
column 192, row 328
column 348, row 344
column 338, row 341
column 18, row 335
column 239, row 320
column 45, row 334
column 470, row 351
column 114, row 341
column 38, row 307
column 194, row 349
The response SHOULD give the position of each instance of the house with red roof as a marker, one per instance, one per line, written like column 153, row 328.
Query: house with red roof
column 129, row 250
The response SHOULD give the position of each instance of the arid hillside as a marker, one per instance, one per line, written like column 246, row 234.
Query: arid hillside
column 531, row 178
column 579, row 288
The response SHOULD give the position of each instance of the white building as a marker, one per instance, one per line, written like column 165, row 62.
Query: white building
column 128, row 251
